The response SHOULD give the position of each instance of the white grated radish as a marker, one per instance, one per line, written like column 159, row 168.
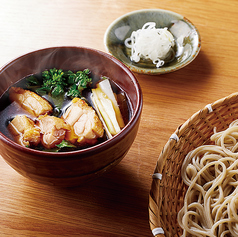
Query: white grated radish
column 150, row 43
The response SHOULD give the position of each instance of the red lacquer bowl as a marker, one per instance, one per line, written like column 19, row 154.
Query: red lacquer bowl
column 75, row 167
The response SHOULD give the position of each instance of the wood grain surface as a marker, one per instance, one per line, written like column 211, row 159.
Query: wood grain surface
column 117, row 203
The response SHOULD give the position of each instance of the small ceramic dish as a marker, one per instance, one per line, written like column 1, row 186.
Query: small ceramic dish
column 187, row 39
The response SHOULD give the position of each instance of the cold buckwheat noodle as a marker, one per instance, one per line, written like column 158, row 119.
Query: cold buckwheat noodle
column 211, row 173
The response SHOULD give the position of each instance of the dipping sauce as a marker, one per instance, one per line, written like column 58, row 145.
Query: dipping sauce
column 51, row 123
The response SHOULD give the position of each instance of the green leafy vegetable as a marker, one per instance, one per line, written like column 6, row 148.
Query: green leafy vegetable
column 53, row 82
column 57, row 90
column 65, row 144
column 78, row 81
column 57, row 82
column 33, row 81
column 73, row 91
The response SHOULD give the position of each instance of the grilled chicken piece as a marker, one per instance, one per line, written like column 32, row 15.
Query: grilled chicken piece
column 30, row 101
column 53, row 130
column 24, row 131
column 86, row 127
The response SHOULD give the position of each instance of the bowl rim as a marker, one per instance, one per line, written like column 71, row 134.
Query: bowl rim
column 96, row 148
column 154, row 71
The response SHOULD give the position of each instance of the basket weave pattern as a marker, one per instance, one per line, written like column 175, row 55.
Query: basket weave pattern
column 167, row 194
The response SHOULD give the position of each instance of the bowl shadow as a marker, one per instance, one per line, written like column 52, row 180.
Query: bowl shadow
column 117, row 197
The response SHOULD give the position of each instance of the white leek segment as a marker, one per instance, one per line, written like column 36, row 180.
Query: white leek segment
column 106, row 109
column 105, row 86
column 100, row 116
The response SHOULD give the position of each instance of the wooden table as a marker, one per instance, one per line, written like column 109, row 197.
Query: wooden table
column 117, row 203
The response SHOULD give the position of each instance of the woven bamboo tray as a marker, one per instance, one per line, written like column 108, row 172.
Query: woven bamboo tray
column 167, row 189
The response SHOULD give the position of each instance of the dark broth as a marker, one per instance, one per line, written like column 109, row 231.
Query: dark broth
column 8, row 109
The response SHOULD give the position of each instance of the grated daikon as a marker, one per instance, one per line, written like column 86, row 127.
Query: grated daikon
column 150, row 43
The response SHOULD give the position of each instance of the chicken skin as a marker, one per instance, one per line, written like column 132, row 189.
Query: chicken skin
column 24, row 131
column 86, row 127
column 30, row 101
column 53, row 130
column 79, row 125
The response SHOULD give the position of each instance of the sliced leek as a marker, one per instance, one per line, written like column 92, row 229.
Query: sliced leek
column 100, row 117
column 106, row 109
column 105, row 86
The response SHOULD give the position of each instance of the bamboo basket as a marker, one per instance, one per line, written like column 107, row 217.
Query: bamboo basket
column 167, row 189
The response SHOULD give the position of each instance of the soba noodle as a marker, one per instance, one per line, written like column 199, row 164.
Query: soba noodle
column 211, row 173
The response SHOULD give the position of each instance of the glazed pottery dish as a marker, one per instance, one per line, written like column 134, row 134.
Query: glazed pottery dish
column 71, row 167
column 186, row 46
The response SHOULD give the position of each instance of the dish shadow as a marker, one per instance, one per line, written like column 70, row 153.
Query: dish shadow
column 190, row 80
column 200, row 68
